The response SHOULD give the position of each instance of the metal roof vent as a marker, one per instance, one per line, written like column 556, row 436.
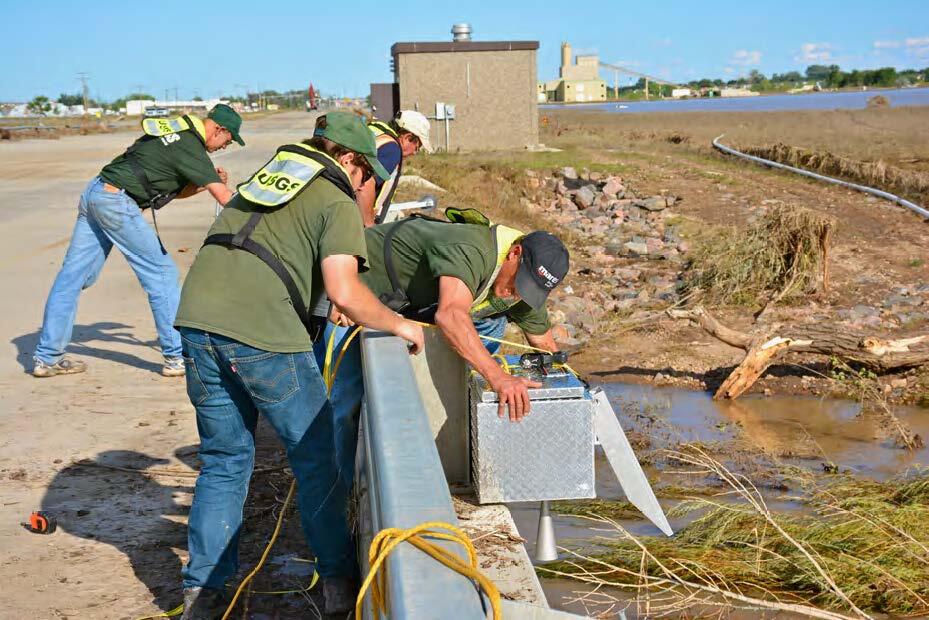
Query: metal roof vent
column 461, row 32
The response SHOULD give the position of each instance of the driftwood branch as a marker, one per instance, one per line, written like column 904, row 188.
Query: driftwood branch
column 764, row 348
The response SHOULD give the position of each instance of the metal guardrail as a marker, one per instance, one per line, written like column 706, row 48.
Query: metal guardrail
column 402, row 484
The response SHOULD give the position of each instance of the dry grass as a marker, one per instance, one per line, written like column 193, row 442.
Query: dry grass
column 894, row 135
column 857, row 548
column 779, row 256
column 872, row 173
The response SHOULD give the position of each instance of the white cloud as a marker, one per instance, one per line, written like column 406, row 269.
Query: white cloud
column 886, row 45
column 814, row 52
column 917, row 46
column 745, row 58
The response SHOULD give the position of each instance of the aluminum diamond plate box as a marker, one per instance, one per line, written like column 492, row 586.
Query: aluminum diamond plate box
column 548, row 455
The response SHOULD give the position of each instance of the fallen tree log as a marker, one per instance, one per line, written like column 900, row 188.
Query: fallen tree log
column 771, row 342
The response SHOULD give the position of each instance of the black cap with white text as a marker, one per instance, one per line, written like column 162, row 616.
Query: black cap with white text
column 542, row 267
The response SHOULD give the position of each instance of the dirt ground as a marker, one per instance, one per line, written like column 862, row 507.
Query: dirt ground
column 120, row 412
column 877, row 248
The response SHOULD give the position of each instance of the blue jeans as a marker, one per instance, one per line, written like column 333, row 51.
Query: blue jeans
column 494, row 327
column 106, row 219
column 229, row 384
column 348, row 387
column 347, row 392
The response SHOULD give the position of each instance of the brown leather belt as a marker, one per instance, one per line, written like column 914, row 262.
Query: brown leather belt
column 111, row 188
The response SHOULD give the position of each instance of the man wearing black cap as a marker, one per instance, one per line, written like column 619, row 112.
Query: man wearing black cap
column 455, row 274
column 171, row 160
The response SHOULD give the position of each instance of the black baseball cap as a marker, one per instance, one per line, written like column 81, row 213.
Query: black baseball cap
column 543, row 266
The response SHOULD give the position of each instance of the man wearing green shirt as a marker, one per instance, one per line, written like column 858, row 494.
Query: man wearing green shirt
column 458, row 276
column 170, row 161
column 292, row 233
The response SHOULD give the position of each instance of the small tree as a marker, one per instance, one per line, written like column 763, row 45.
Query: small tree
column 69, row 100
column 39, row 105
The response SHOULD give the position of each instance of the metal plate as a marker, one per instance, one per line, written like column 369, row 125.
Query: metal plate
column 556, row 385
column 548, row 455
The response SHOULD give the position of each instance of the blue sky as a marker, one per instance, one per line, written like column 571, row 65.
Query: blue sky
column 208, row 48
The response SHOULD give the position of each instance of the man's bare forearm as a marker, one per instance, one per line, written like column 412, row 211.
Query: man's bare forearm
column 458, row 329
column 357, row 302
column 545, row 341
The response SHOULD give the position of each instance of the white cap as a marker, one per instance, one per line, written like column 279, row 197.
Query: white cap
column 416, row 124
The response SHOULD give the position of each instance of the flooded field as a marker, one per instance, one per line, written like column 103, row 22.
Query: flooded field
column 758, row 437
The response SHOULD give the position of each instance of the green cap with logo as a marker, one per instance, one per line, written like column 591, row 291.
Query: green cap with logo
column 349, row 130
column 226, row 117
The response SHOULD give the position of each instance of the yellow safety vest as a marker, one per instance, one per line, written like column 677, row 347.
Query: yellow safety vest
column 384, row 133
column 504, row 238
column 158, row 127
column 289, row 172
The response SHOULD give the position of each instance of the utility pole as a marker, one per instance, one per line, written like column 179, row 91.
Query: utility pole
column 646, row 89
column 175, row 94
column 138, row 88
column 82, row 76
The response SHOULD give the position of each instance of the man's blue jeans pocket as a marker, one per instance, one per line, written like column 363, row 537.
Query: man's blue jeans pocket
column 267, row 377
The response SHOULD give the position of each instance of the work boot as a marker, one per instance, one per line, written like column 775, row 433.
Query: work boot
column 64, row 366
column 204, row 604
column 174, row 367
column 340, row 594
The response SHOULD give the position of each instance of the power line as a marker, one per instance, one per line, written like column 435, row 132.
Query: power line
column 83, row 77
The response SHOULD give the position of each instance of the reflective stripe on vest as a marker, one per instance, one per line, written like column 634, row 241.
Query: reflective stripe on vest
column 387, row 187
column 380, row 128
column 285, row 176
column 158, row 127
column 504, row 238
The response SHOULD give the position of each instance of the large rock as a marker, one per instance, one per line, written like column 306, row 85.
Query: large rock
column 569, row 173
column 631, row 248
column 654, row 245
column 584, row 197
column 613, row 187
column 655, row 203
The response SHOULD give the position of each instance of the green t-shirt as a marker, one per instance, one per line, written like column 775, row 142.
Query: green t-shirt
column 170, row 163
column 234, row 293
column 425, row 250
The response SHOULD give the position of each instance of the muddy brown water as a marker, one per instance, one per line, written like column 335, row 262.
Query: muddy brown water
column 799, row 430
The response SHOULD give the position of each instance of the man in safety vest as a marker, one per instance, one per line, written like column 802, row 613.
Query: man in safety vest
column 292, row 233
column 455, row 275
column 400, row 138
column 169, row 161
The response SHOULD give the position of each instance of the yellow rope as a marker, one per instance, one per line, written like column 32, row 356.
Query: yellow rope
column 177, row 611
column 389, row 538
column 264, row 555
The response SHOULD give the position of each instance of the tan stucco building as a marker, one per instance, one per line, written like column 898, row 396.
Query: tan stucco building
column 578, row 81
column 491, row 84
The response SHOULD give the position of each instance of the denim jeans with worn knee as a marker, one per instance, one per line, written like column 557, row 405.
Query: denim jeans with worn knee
column 105, row 219
column 230, row 384
column 348, row 387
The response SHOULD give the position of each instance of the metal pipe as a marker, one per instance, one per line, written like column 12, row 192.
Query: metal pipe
column 546, row 549
column 861, row 188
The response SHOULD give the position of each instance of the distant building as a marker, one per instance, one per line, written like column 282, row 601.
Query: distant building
column 578, row 82
column 737, row 92
column 486, row 89
column 137, row 107
column 680, row 93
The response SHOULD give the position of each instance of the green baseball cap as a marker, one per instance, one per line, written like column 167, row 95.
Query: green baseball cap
column 226, row 117
column 349, row 130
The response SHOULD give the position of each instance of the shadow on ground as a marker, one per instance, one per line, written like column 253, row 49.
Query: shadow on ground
column 102, row 332
column 130, row 511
